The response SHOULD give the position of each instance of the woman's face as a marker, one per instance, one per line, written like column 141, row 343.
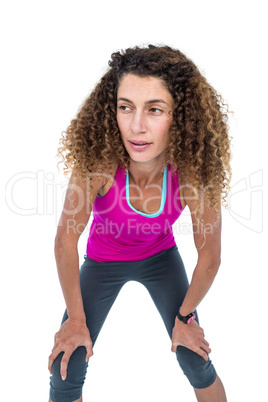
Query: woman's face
column 144, row 116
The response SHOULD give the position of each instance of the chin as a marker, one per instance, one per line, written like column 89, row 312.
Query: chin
column 139, row 159
column 142, row 158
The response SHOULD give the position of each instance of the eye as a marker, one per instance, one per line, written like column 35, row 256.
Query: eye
column 124, row 108
column 156, row 110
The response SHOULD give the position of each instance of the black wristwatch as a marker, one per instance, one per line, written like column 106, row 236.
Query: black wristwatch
column 188, row 319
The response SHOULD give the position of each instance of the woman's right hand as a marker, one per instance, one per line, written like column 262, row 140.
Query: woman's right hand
column 71, row 335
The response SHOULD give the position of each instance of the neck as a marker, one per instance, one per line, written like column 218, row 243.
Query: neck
column 146, row 172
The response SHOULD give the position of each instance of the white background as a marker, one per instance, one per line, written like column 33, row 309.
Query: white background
column 53, row 53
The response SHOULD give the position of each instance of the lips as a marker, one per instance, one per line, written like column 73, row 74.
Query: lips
column 139, row 145
column 139, row 142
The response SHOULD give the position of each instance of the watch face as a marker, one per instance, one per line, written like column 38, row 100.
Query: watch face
column 191, row 319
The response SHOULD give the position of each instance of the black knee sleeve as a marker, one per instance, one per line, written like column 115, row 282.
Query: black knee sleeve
column 71, row 389
column 201, row 374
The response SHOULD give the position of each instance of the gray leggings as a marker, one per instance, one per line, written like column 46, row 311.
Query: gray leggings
column 165, row 278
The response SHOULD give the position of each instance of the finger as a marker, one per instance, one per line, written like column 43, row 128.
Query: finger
column 55, row 353
column 51, row 359
column 64, row 364
column 205, row 342
column 201, row 353
column 89, row 351
column 174, row 347
column 50, row 362
column 206, row 348
column 55, row 347
column 56, row 339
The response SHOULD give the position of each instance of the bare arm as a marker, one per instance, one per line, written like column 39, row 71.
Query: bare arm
column 209, row 255
column 192, row 336
column 76, row 212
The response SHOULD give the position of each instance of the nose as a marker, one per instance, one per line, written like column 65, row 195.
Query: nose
column 138, row 124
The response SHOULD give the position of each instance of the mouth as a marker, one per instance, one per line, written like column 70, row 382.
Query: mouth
column 139, row 145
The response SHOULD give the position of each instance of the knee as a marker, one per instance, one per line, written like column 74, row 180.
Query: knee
column 70, row 389
column 201, row 374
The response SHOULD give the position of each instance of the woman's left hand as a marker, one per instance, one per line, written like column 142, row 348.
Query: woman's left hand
column 191, row 336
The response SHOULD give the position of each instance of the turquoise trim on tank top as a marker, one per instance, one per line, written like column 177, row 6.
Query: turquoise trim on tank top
column 163, row 197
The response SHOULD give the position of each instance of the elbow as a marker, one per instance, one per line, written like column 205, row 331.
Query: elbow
column 213, row 267
column 58, row 243
column 58, row 246
column 64, row 243
column 209, row 266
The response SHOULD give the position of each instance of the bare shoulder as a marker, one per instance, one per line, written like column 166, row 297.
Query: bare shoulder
column 98, row 177
column 80, row 196
column 182, row 193
column 206, row 226
column 107, row 172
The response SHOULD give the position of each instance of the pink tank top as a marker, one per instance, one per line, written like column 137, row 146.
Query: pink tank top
column 119, row 232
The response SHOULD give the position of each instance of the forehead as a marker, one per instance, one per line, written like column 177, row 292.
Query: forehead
column 143, row 87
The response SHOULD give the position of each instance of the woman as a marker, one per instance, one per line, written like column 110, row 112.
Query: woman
column 150, row 140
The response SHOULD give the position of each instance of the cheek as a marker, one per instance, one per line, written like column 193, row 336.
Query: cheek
column 164, row 135
column 121, row 122
column 118, row 120
column 122, row 131
column 163, row 129
column 120, row 125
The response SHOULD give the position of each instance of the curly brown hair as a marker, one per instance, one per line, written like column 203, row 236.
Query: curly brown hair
column 199, row 147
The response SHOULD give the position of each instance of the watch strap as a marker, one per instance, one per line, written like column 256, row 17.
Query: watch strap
column 188, row 319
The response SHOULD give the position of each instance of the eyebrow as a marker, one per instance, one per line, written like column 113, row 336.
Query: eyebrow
column 147, row 103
